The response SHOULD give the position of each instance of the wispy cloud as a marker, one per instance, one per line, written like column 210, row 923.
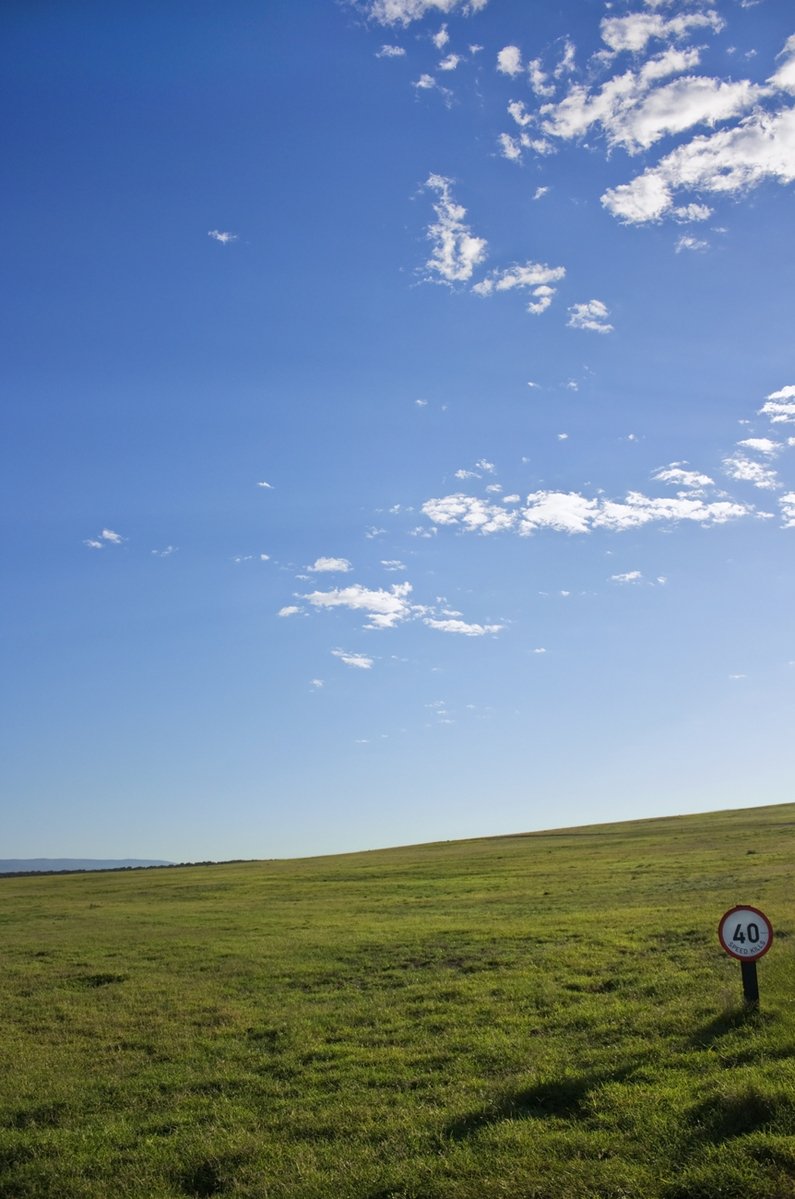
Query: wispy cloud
column 384, row 609
column 688, row 242
column 289, row 610
column 592, row 315
column 760, row 147
column 746, row 470
column 462, row 627
column 779, row 406
column 572, row 512
column 330, row 565
column 390, row 52
column 429, row 83
column 106, row 537
column 403, row 12
column 166, row 553
column 223, row 238
column 634, row 31
column 455, row 250
column 677, row 476
column 537, row 277
column 359, row 661
column 761, row 445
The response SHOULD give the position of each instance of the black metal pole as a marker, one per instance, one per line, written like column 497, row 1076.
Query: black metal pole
column 750, row 984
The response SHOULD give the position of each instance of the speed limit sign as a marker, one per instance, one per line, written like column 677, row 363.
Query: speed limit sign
column 745, row 933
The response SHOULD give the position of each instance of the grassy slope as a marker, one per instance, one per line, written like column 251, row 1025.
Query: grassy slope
column 546, row 1015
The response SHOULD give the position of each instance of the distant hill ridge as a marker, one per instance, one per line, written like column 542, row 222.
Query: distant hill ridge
column 59, row 865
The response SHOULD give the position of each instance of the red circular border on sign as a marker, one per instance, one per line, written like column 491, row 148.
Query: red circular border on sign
column 747, row 957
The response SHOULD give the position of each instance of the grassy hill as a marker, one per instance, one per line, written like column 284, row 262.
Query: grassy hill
column 546, row 1016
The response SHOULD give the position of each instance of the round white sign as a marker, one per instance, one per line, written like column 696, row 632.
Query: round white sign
column 745, row 933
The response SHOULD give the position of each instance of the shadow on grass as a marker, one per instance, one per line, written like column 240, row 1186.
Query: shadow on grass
column 746, row 1110
column 562, row 1098
column 202, row 1181
column 727, row 1022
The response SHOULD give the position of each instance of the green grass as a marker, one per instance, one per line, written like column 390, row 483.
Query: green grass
column 543, row 1016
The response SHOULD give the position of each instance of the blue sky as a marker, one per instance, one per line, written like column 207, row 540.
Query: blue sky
column 399, row 420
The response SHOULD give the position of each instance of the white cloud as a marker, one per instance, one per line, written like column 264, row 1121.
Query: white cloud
column 784, row 78
column 359, row 661
column 686, row 242
column 267, row 486
column 461, row 626
column 780, row 406
column 760, row 147
column 617, row 104
column 392, row 564
column 566, row 64
column 484, row 464
column 537, row 277
column 563, row 437
column 540, row 192
column 321, row 565
column 264, row 557
column 539, row 80
column 390, row 52
column 475, row 515
column 635, row 30
column 787, row 504
column 677, row 476
column 223, row 238
column 691, row 212
column 517, row 110
column 466, row 474
column 427, row 83
column 572, row 512
column 403, row 12
column 384, row 609
column 509, row 60
column 316, row 684
column 629, row 576
column 762, row 445
column 166, row 553
column 456, row 252
column 539, row 650
column 421, row 403
column 441, row 38
column 450, row 62
column 591, row 315
column 93, row 545
column 289, row 610
column 512, row 147
column 747, row 471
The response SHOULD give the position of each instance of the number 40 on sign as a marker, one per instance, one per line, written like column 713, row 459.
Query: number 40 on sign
column 746, row 934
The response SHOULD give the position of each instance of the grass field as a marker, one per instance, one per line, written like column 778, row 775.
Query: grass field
column 543, row 1016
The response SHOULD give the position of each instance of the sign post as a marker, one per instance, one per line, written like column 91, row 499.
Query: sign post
column 746, row 934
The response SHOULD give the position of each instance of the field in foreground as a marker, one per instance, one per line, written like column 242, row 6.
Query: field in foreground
column 542, row 1016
